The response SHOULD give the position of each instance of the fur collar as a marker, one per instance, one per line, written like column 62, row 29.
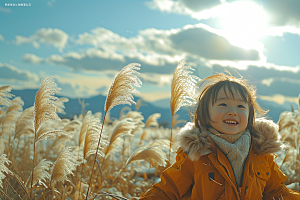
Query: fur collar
column 196, row 143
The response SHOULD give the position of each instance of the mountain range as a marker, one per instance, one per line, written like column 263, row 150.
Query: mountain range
column 96, row 104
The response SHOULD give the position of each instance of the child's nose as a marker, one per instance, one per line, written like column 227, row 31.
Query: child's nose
column 232, row 112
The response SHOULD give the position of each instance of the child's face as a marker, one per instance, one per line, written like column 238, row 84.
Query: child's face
column 228, row 115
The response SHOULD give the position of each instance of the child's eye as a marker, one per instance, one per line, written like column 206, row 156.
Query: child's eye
column 222, row 104
column 241, row 106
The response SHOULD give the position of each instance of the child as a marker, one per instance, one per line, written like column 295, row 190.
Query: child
column 225, row 153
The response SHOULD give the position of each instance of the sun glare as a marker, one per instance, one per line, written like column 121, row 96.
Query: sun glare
column 244, row 23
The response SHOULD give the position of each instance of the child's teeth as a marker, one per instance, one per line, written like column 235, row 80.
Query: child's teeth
column 230, row 122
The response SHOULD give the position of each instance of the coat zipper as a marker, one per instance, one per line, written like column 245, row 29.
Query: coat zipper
column 244, row 165
column 226, row 169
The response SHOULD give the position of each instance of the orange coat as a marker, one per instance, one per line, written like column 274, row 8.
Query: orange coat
column 202, row 170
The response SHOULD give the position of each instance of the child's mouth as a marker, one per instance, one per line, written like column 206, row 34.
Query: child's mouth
column 230, row 122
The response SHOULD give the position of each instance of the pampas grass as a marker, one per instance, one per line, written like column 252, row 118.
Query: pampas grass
column 3, row 168
column 24, row 125
column 5, row 95
column 84, row 127
column 128, row 166
column 124, row 127
column 182, row 90
column 176, row 121
column 120, row 92
column 152, row 120
column 152, row 154
column 91, row 137
column 10, row 116
column 64, row 166
column 289, row 127
column 45, row 107
column 40, row 172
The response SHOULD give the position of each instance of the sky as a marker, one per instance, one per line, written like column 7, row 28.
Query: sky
column 83, row 44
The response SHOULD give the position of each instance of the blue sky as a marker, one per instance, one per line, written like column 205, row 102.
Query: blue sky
column 85, row 43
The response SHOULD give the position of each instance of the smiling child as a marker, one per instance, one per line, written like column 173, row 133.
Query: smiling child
column 225, row 153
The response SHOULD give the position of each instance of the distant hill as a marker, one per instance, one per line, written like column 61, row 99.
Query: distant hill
column 96, row 104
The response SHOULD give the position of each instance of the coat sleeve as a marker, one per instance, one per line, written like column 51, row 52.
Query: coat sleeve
column 175, row 180
column 275, row 187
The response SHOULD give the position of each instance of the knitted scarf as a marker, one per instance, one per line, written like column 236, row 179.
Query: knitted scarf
column 236, row 147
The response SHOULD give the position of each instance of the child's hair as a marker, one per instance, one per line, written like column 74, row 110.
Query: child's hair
column 210, row 88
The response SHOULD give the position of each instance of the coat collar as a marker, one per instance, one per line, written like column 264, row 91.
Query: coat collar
column 196, row 143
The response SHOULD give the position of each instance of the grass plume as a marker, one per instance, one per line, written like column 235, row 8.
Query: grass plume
column 121, row 89
column 120, row 92
column 3, row 168
column 182, row 90
column 152, row 154
column 152, row 120
column 24, row 124
column 45, row 107
column 84, row 127
column 124, row 127
column 40, row 172
column 91, row 136
column 64, row 166
column 5, row 95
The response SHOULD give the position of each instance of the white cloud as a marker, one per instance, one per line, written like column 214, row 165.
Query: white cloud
column 55, row 37
column 201, row 40
column 158, row 52
column 282, row 12
column 5, row 10
column 282, row 15
column 1, row 38
column 148, row 41
column 50, row 3
column 280, row 31
column 92, row 59
column 156, row 79
column 12, row 74
column 196, row 9
column 154, row 96
column 270, row 79
column 267, row 81
column 153, row 48
column 33, row 59
column 168, row 6
column 91, row 84
column 99, row 60
column 196, row 5
column 280, row 99
column 74, row 89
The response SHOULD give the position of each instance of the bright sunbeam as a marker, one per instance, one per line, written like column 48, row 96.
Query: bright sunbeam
column 244, row 23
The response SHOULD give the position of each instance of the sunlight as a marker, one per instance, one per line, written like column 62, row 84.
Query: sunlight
column 244, row 23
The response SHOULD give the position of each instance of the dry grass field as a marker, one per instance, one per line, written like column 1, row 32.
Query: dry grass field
column 95, row 157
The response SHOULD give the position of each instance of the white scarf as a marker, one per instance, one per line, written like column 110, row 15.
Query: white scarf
column 236, row 147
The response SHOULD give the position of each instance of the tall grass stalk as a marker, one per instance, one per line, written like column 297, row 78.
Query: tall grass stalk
column 120, row 92
column 182, row 91
column 45, row 109
column 152, row 154
column 289, row 127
